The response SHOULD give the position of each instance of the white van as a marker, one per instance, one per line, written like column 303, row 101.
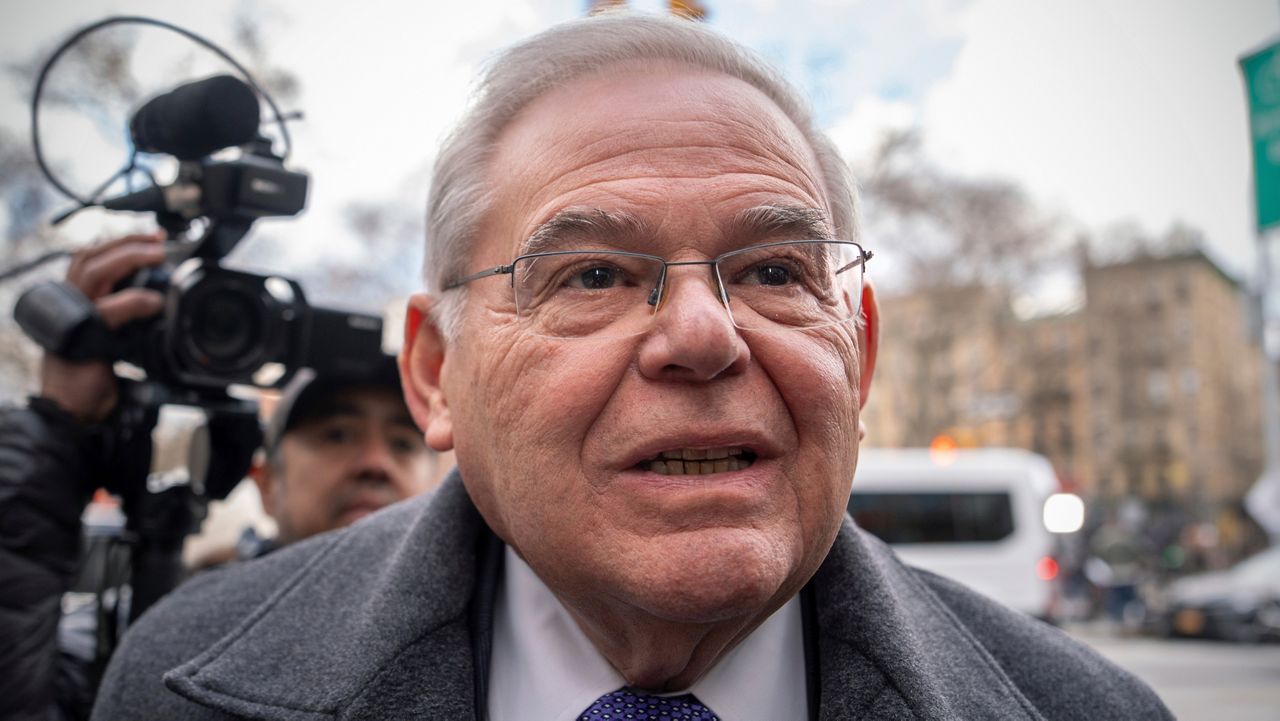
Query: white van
column 977, row 516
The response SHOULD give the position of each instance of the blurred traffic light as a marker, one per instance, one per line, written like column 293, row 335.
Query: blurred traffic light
column 691, row 9
column 688, row 9
column 599, row 6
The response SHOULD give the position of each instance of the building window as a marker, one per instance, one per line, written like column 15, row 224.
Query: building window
column 1189, row 382
column 1158, row 387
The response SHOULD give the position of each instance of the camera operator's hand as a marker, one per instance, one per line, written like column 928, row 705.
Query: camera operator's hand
column 87, row 390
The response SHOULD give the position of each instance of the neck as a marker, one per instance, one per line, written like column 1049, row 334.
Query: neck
column 657, row 654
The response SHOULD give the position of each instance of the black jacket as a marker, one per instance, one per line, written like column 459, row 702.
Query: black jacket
column 50, row 465
column 48, row 470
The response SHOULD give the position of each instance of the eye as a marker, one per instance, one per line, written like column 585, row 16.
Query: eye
column 600, row 277
column 337, row 435
column 774, row 274
column 404, row 445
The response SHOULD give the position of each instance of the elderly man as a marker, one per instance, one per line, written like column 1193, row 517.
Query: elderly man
column 648, row 343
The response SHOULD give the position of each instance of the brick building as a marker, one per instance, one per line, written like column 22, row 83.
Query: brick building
column 1151, row 389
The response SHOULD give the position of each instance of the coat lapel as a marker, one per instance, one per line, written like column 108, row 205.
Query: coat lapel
column 390, row 639
column 889, row 648
column 393, row 637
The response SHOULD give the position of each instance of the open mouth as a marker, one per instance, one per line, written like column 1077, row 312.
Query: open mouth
column 698, row 461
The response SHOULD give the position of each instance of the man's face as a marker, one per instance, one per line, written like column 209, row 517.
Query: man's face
column 361, row 451
column 555, row 438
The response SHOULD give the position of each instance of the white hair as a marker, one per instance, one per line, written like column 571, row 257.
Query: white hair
column 460, row 184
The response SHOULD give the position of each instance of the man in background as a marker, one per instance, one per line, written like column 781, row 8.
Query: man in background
column 338, row 449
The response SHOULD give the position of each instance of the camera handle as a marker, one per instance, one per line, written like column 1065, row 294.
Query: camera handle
column 63, row 321
column 222, row 236
column 163, row 509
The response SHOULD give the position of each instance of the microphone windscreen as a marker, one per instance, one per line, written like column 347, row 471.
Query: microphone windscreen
column 196, row 119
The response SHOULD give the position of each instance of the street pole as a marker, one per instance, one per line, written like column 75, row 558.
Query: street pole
column 1263, row 499
column 1261, row 70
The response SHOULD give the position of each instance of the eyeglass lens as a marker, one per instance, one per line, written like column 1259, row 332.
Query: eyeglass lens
column 775, row 286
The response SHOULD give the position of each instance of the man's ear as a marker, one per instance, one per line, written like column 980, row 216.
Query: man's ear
column 260, row 472
column 868, row 341
column 421, row 362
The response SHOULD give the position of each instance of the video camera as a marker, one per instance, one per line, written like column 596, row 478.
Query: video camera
column 219, row 326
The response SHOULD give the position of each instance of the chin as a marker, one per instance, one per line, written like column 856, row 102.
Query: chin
column 716, row 575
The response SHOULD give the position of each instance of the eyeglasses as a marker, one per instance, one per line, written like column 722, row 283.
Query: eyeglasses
column 786, row 285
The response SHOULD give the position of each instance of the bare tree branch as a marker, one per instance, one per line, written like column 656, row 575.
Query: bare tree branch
column 952, row 231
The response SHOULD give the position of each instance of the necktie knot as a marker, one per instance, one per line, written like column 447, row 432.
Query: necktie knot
column 628, row 705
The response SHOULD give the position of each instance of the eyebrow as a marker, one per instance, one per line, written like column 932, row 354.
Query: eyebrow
column 576, row 224
column 792, row 222
column 625, row 230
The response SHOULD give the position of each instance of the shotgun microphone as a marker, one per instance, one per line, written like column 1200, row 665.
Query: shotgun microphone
column 196, row 119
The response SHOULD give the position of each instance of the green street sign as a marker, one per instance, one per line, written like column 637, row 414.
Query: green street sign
column 1262, row 79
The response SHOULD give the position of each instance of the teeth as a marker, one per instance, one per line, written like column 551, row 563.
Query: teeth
column 673, row 467
column 701, row 454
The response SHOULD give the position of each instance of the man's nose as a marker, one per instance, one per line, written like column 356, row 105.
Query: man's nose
column 375, row 457
column 693, row 338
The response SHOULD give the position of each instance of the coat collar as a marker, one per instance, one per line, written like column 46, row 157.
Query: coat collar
column 393, row 635
column 890, row 648
column 377, row 619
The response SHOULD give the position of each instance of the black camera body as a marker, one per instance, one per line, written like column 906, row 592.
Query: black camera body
column 219, row 327
column 255, row 185
column 222, row 326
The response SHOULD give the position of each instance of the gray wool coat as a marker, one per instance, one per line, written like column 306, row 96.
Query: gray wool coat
column 374, row 622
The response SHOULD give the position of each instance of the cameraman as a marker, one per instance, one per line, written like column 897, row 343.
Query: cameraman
column 335, row 450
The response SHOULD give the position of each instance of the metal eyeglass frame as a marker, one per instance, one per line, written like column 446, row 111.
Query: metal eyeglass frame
column 656, row 295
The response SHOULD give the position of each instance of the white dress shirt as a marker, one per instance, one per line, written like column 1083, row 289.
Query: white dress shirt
column 544, row 668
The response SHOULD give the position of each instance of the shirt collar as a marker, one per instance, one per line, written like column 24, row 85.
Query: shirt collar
column 544, row 667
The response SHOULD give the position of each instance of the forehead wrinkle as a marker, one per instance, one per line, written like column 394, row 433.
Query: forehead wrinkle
column 793, row 221
column 756, row 145
column 718, row 142
column 579, row 223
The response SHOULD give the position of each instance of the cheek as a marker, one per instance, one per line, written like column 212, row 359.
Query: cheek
column 305, row 480
column 413, row 475
column 817, row 376
column 427, row 470
column 544, row 395
column 539, row 399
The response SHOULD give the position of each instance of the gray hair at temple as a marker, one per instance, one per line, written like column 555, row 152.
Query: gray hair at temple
column 460, row 190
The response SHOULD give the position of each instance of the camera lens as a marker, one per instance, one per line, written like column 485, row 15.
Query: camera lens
column 226, row 327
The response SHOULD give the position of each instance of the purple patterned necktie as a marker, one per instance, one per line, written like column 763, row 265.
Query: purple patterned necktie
column 626, row 704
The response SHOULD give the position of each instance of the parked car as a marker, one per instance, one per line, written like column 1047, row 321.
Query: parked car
column 978, row 516
column 1241, row 603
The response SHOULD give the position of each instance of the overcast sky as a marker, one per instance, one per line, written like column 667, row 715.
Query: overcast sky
column 1104, row 110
